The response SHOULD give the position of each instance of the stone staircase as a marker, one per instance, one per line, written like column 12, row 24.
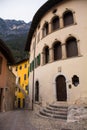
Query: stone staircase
column 56, row 111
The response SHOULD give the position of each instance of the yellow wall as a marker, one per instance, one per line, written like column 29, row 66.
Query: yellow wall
column 22, row 69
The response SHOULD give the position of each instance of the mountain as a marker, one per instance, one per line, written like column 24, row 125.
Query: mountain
column 14, row 34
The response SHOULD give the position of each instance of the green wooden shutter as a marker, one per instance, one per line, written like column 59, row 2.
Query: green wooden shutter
column 35, row 62
column 38, row 57
column 33, row 65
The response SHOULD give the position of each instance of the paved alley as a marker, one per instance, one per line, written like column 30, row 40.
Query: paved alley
column 15, row 120
column 28, row 120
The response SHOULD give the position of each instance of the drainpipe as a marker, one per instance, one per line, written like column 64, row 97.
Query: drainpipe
column 33, row 76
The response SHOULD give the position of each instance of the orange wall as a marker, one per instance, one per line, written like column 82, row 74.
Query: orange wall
column 3, row 72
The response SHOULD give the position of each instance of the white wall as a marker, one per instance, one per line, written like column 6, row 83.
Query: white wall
column 71, row 66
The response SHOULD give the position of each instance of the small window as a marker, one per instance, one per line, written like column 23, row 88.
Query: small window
column 46, row 54
column 24, row 76
column 57, row 51
column 75, row 80
column 20, row 67
column 19, row 80
column 31, row 66
column 25, row 66
column 71, row 47
column 0, row 64
column 38, row 60
column 54, row 11
column 55, row 23
column 45, row 29
column 68, row 18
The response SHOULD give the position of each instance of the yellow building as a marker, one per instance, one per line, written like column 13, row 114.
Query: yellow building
column 21, row 70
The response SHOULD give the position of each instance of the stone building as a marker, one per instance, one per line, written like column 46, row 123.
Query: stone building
column 57, row 43
column 7, row 79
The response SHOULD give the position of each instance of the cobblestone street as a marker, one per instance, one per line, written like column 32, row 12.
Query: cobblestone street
column 28, row 120
column 15, row 120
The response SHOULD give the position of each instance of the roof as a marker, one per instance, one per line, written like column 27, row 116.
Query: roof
column 37, row 17
column 6, row 52
column 23, row 60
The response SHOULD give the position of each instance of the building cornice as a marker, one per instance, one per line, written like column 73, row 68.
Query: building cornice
column 37, row 18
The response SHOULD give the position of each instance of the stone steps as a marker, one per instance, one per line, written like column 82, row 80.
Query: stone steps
column 57, row 108
column 55, row 111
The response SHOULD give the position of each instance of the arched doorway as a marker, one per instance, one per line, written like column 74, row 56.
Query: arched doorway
column 61, row 92
column 37, row 91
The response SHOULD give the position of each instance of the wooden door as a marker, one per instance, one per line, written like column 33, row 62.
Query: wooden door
column 19, row 103
column 37, row 91
column 61, row 93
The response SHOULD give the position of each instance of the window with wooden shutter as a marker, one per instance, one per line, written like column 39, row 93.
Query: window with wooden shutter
column 55, row 23
column 30, row 68
column 32, row 65
column 35, row 62
column 57, row 51
column 38, row 60
column 25, row 76
column 68, row 18
column 45, row 29
column 71, row 47
column 46, row 54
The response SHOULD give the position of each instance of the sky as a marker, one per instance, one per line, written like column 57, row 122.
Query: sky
column 19, row 9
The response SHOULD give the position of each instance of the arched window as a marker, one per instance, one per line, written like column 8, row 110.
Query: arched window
column 68, row 18
column 37, row 91
column 55, row 23
column 45, row 29
column 57, row 51
column 46, row 54
column 71, row 47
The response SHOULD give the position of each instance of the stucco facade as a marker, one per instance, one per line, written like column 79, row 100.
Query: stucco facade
column 7, row 79
column 21, row 70
column 69, row 67
column 10, row 91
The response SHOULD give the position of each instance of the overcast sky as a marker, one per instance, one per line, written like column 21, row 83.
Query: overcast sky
column 19, row 9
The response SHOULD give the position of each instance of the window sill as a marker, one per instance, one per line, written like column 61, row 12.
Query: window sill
column 58, row 30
